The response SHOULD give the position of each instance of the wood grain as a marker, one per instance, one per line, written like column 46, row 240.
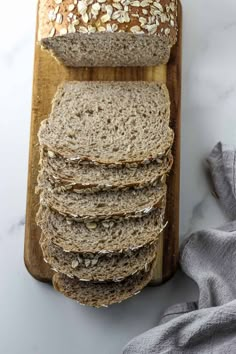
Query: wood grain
column 48, row 74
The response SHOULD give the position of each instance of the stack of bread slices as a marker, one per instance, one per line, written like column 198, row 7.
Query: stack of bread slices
column 105, row 155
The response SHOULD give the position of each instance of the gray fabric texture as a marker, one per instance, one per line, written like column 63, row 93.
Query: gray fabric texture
column 222, row 163
column 209, row 258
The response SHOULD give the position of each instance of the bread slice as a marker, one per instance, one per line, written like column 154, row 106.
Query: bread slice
column 102, row 236
column 97, row 267
column 122, row 33
column 64, row 172
column 102, row 294
column 82, row 205
column 109, row 122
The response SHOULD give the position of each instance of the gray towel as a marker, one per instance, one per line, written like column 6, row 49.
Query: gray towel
column 209, row 258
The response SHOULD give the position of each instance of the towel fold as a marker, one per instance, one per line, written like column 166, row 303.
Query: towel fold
column 222, row 163
column 209, row 258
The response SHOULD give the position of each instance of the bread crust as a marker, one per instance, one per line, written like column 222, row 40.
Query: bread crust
column 103, row 236
column 159, row 18
column 102, row 294
column 95, row 178
column 96, row 206
column 149, row 101
column 108, row 267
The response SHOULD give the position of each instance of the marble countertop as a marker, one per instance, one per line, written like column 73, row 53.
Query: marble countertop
column 33, row 318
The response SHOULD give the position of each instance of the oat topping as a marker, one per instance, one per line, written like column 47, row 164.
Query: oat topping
column 71, row 28
column 52, row 32
column 83, row 29
column 63, row 31
column 87, row 262
column 57, row 8
column 135, row 3
column 94, row 262
column 101, row 29
column 59, row 18
column 135, row 16
column 91, row 225
column 71, row 7
column 74, row 264
column 51, row 154
column 135, row 29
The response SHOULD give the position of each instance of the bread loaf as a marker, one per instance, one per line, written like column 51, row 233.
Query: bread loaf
column 108, row 33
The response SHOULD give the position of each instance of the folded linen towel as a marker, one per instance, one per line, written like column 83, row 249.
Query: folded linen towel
column 209, row 258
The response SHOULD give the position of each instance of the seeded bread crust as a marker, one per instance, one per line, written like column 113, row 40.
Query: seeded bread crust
column 108, row 33
column 99, row 267
column 163, row 150
column 73, row 175
column 82, row 205
column 104, row 236
column 58, row 18
column 126, row 122
column 102, row 294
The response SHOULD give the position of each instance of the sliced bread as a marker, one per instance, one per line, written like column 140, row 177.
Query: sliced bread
column 102, row 294
column 82, row 205
column 64, row 172
column 104, row 33
column 109, row 122
column 99, row 267
column 102, row 236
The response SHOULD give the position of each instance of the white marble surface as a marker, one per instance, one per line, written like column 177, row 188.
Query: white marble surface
column 33, row 318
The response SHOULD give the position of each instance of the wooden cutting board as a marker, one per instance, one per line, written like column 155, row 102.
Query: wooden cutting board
column 48, row 74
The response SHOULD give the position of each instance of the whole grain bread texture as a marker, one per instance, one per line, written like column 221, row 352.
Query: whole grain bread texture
column 81, row 205
column 102, row 294
column 66, row 173
column 103, row 236
column 97, row 267
column 109, row 122
column 103, row 33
